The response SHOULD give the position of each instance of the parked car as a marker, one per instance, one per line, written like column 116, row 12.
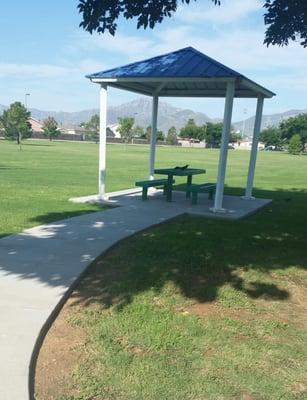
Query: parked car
column 269, row 148
column 230, row 147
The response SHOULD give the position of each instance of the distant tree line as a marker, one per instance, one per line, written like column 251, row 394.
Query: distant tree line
column 210, row 132
column 291, row 134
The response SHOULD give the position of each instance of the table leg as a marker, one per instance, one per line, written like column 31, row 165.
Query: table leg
column 189, row 183
column 169, row 188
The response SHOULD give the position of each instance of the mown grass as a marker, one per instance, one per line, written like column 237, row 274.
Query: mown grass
column 36, row 183
column 198, row 309
column 194, row 309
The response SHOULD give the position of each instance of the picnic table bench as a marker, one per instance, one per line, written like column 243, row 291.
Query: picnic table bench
column 201, row 188
column 152, row 183
column 178, row 171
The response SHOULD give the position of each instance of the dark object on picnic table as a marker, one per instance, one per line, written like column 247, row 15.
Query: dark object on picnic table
column 182, row 168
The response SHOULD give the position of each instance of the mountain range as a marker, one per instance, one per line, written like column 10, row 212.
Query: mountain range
column 267, row 120
column 140, row 110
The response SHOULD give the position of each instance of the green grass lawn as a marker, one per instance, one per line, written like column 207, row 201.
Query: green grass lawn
column 194, row 309
column 37, row 182
column 197, row 309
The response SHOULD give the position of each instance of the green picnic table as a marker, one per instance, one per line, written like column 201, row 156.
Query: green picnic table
column 171, row 172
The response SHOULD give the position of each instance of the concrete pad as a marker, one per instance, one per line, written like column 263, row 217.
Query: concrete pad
column 235, row 207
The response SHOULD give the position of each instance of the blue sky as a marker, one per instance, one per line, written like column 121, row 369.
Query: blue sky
column 45, row 53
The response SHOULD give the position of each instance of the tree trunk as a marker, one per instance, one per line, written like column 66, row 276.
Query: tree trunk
column 19, row 140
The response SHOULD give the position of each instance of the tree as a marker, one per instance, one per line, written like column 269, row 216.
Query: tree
column 234, row 137
column 92, row 128
column 138, row 131
column 125, row 128
column 50, row 128
column 101, row 15
column 295, row 125
column 285, row 19
column 147, row 134
column 271, row 137
column 213, row 134
column 193, row 131
column 15, row 122
column 160, row 136
column 295, row 145
column 171, row 138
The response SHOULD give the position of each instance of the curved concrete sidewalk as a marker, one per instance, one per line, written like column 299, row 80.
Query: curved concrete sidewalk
column 38, row 266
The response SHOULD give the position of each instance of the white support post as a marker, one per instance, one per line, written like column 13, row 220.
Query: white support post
column 102, row 138
column 218, row 202
column 153, row 136
column 254, row 150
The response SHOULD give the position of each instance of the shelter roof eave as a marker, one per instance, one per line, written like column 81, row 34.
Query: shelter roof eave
column 186, row 86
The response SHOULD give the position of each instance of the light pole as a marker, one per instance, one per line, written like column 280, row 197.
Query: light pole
column 244, row 116
column 26, row 99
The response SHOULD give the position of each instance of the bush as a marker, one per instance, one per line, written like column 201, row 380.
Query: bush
column 295, row 144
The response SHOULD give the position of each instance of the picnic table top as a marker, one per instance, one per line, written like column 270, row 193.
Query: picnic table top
column 180, row 172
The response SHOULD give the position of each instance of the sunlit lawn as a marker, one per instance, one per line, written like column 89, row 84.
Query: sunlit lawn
column 36, row 183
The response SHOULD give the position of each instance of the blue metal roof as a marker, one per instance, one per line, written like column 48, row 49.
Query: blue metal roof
column 183, row 73
column 186, row 62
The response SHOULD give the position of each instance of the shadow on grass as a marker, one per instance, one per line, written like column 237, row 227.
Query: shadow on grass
column 38, row 144
column 5, row 167
column 62, row 216
column 56, row 217
column 197, row 255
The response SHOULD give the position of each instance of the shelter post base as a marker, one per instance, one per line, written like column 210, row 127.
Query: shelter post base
column 218, row 210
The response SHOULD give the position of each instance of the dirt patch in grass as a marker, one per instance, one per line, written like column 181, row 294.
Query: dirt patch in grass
column 60, row 354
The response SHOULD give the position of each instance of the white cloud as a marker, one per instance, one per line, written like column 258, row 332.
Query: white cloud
column 286, row 82
column 87, row 66
column 239, row 49
column 130, row 47
column 230, row 11
column 41, row 71
column 33, row 70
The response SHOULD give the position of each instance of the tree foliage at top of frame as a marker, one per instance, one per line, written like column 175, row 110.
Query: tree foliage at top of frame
column 102, row 15
column 286, row 20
